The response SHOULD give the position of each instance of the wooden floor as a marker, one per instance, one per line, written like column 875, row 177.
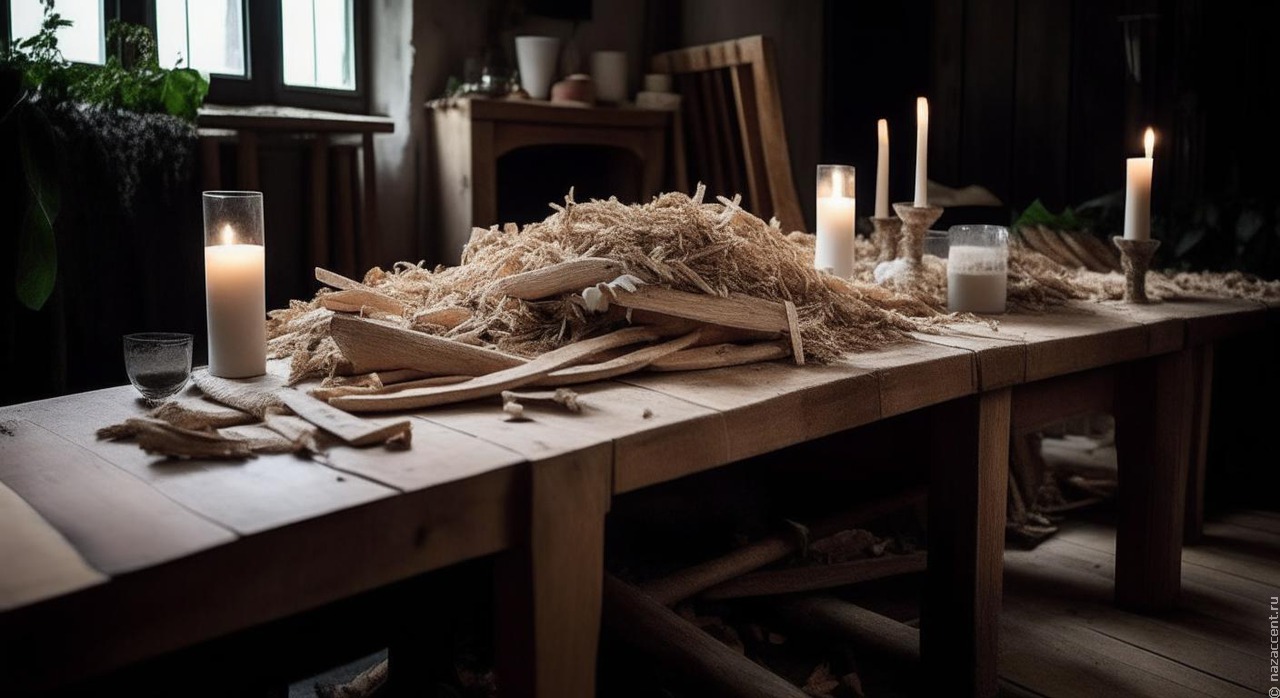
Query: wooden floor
column 1062, row 636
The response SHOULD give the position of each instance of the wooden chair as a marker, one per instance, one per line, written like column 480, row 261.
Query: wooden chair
column 732, row 124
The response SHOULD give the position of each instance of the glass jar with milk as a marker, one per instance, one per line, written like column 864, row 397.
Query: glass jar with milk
column 978, row 269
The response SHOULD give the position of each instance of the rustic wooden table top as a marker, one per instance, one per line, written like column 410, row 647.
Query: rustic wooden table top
column 101, row 541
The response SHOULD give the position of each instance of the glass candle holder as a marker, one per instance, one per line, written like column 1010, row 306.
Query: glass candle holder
column 978, row 268
column 937, row 243
column 837, row 209
column 235, row 283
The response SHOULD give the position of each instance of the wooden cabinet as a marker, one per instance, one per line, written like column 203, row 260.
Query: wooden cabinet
column 468, row 136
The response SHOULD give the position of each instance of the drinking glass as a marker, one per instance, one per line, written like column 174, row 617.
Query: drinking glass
column 158, row 363
column 978, row 268
column 936, row 243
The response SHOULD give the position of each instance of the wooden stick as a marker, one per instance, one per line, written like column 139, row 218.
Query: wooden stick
column 688, row 582
column 834, row 618
column 400, row 375
column 327, row 393
column 627, row 363
column 710, row 334
column 813, row 577
column 356, row 300
column 449, row 316
column 353, row 430
column 336, row 280
column 641, row 622
column 565, row 277
column 374, row 346
column 721, row 355
column 741, row 311
column 495, row 383
column 737, row 310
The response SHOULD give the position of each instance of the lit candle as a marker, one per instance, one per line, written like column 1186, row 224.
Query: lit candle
column 1137, row 192
column 922, row 152
column 235, row 284
column 836, row 208
column 882, row 171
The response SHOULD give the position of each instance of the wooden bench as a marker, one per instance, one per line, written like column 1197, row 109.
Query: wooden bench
column 112, row 557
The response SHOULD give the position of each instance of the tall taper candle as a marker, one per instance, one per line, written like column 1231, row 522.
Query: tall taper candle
column 922, row 152
column 1137, row 192
column 834, row 250
column 235, row 283
column 882, row 170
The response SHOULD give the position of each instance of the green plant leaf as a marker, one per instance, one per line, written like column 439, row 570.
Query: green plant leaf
column 37, row 267
column 183, row 92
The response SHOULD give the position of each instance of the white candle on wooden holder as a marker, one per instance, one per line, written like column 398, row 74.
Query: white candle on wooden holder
column 836, row 215
column 922, row 152
column 1137, row 192
column 235, row 283
column 882, row 170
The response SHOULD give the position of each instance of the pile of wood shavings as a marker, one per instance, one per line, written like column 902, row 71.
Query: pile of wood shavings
column 675, row 240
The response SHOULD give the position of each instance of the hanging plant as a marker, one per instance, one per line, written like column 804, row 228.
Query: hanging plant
column 51, row 103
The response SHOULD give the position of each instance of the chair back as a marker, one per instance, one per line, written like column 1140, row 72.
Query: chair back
column 733, row 135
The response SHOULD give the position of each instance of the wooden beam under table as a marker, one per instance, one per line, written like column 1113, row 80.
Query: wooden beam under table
column 960, row 616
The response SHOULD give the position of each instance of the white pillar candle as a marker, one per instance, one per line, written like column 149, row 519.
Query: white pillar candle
column 235, row 284
column 1137, row 192
column 922, row 152
column 882, row 170
column 837, row 206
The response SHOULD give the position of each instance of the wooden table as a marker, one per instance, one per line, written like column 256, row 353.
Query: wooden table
column 469, row 135
column 102, row 542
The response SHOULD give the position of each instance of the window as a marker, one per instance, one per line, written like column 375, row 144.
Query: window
column 207, row 35
column 319, row 44
column 82, row 42
column 303, row 53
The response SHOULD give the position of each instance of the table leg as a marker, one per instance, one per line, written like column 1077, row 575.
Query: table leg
column 1152, row 403
column 549, row 589
column 1201, row 399
column 968, row 481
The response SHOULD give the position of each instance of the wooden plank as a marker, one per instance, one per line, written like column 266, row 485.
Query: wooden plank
column 373, row 346
column 968, row 446
column 1259, row 520
column 767, row 406
column 1039, row 404
column 1001, row 361
column 549, row 589
column 1197, row 427
column 263, row 577
column 116, row 522
column 248, row 497
column 744, row 98
column 676, row 438
column 318, row 239
column 39, row 562
column 1245, row 578
column 1052, row 657
column 744, row 312
column 1069, row 341
column 1066, row 586
column 1152, row 403
column 270, row 117
column 367, row 249
column 344, row 244
column 814, row 577
column 918, row 374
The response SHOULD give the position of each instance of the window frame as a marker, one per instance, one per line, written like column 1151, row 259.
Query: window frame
column 264, row 45
column 110, row 11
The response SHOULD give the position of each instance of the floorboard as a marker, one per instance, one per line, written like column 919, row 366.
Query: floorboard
column 1061, row 635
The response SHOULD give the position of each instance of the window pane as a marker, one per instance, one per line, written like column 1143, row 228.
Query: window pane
column 81, row 42
column 318, row 42
column 207, row 35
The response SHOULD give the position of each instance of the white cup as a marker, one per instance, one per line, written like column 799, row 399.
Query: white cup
column 657, row 82
column 609, row 72
column 537, row 57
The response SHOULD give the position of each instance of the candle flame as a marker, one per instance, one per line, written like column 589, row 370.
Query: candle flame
column 1149, row 141
column 228, row 235
column 882, row 127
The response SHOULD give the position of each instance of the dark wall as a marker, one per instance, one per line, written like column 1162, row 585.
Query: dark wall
column 1045, row 98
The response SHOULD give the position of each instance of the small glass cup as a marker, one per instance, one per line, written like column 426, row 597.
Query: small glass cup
column 158, row 363
column 978, row 269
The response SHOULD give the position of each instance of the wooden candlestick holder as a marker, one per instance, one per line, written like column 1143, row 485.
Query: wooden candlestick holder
column 916, row 221
column 885, row 234
column 1135, row 260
